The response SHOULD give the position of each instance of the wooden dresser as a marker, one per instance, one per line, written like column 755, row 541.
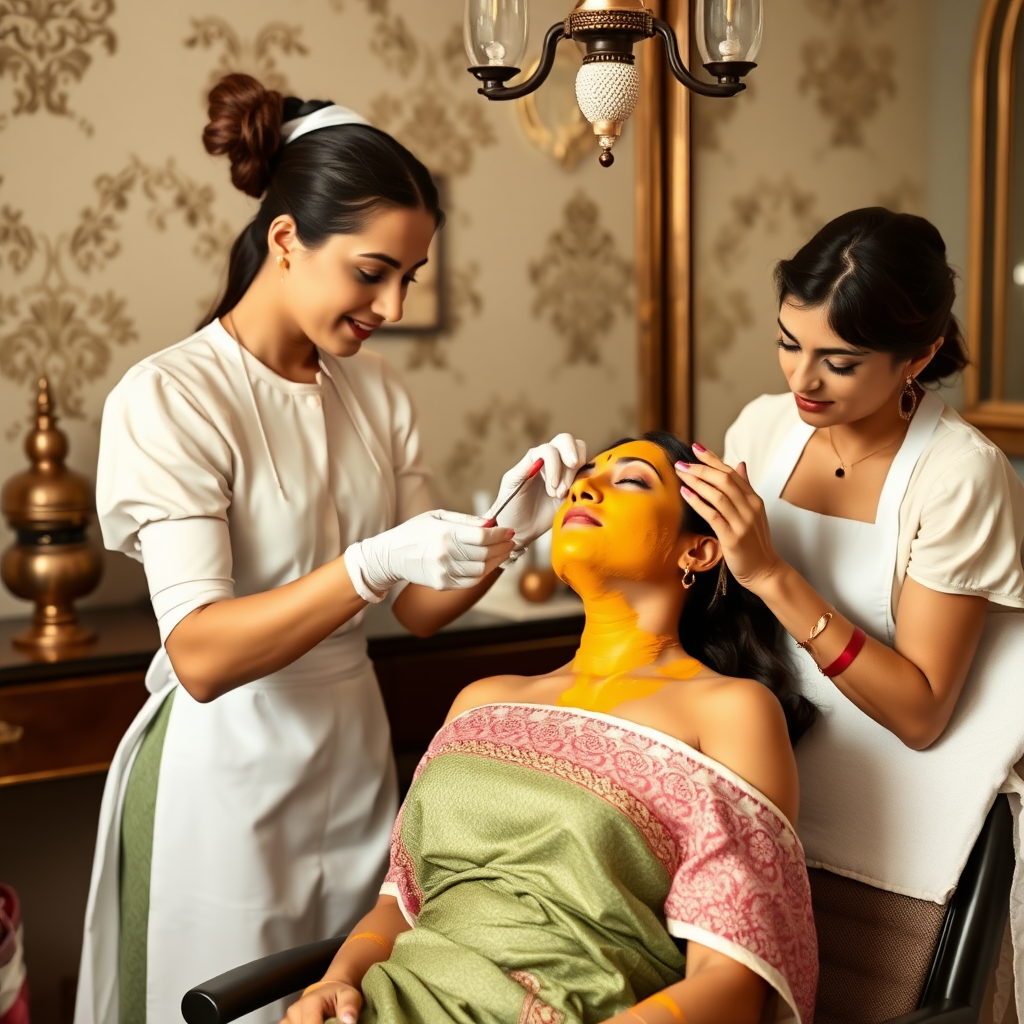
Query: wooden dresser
column 65, row 717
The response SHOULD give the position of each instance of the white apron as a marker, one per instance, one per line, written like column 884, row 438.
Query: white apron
column 275, row 801
column 273, row 816
column 871, row 808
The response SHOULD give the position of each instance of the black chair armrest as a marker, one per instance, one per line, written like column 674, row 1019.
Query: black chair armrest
column 240, row 991
column 946, row 1012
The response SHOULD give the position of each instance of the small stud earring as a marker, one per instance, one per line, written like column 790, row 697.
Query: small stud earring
column 689, row 577
column 282, row 262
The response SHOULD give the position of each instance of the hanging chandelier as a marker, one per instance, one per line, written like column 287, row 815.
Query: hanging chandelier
column 728, row 36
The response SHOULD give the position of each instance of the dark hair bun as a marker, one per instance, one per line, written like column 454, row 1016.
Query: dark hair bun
column 245, row 126
column 884, row 281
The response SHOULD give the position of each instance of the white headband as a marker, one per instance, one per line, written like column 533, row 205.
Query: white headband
column 325, row 117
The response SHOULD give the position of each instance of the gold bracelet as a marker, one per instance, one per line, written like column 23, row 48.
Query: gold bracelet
column 817, row 629
column 373, row 937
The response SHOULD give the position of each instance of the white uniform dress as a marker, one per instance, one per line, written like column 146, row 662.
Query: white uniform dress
column 950, row 516
column 275, row 801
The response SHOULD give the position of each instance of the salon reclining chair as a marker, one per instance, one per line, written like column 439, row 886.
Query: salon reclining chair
column 882, row 954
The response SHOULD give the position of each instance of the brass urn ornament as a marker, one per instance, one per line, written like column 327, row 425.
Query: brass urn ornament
column 51, row 562
column 728, row 35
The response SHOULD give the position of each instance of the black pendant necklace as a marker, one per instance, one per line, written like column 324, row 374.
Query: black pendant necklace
column 843, row 466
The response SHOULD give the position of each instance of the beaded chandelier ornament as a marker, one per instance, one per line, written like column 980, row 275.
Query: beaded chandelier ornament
column 728, row 35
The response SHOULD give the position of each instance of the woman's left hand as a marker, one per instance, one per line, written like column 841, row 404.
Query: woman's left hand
column 724, row 497
column 531, row 511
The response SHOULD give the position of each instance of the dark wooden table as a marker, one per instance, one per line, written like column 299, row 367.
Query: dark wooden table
column 66, row 716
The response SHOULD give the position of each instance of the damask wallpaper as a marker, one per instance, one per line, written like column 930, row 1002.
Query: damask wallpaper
column 838, row 115
column 115, row 224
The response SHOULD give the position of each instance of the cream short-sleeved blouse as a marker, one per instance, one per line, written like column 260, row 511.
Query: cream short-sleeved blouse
column 962, row 519
column 225, row 479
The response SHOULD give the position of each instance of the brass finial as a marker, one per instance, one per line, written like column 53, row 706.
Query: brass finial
column 52, row 562
column 43, row 398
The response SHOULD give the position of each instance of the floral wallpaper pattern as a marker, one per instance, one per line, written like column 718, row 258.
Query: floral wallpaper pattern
column 256, row 55
column 54, row 324
column 113, row 244
column 46, row 46
column 581, row 281
column 832, row 121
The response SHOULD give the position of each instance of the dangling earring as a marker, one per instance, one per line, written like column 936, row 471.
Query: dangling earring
column 282, row 262
column 689, row 577
column 910, row 392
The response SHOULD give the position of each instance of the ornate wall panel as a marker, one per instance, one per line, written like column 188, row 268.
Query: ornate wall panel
column 836, row 118
column 115, row 224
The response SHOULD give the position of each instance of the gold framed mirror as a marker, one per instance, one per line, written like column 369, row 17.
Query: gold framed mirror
column 995, row 330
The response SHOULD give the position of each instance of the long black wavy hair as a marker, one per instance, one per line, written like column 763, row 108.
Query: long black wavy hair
column 732, row 633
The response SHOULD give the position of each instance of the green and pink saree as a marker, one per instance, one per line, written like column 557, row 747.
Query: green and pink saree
column 547, row 856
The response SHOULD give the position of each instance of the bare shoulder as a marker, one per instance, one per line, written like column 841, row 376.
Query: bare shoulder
column 750, row 699
column 742, row 726
column 492, row 690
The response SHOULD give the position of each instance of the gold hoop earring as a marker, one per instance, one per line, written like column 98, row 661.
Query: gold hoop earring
column 910, row 392
column 689, row 577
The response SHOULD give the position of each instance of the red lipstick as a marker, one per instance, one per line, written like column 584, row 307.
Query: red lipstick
column 579, row 515
column 807, row 405
column 360, row 332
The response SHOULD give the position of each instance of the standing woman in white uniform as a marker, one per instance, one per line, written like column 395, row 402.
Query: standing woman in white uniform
column 268, row 475
column 881, row 529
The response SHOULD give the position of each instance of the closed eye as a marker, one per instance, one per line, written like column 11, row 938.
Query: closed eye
column 635, row 480
column 371, row 278
column 842, row 371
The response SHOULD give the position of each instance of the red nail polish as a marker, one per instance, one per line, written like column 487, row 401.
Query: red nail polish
column 683, row 467
column 697, row 447
column 686, row 491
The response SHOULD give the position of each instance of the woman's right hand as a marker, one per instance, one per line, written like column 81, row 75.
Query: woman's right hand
column 440, row 550
column 732, row 508
column 326, row 1000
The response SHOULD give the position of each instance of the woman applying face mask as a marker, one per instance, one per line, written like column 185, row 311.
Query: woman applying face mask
column 563, row 828
column 882, row 530
column 267, row 473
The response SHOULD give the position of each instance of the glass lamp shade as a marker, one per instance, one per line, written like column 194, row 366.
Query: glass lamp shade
column 729, row 29
column 495, row 32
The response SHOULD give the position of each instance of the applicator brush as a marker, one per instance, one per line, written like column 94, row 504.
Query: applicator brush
column 534, row 470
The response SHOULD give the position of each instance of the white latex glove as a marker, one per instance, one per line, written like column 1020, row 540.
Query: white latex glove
column 442, row 550
column 532, row 510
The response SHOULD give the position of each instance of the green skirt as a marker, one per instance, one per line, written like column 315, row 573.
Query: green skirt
column 136, row 860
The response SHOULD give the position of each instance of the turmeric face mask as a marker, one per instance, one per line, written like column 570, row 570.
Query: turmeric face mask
column 621, row 520
column 619, row 524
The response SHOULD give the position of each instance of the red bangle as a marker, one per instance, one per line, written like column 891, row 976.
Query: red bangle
column 843, row 662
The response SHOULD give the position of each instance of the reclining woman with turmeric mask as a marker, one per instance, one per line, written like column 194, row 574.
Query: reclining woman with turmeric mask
column 563, row 828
